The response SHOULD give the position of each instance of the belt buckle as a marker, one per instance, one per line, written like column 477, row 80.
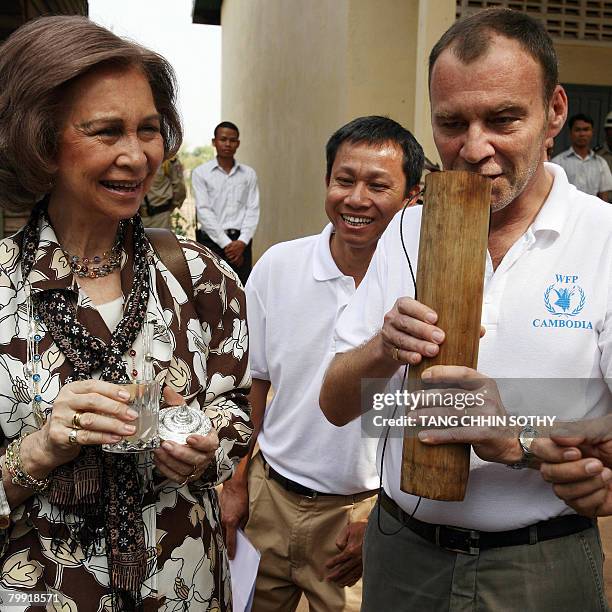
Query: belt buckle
column 456, row 539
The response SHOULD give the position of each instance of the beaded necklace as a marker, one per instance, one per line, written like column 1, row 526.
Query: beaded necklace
column 32, row 367
column 89, row 267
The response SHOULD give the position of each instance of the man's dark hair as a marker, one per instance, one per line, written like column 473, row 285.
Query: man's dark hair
column 580, row 117
column 375, row 130
column 229, row 125
column 470, row 39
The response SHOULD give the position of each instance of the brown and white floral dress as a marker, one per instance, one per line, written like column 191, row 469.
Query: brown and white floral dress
column 200, row 350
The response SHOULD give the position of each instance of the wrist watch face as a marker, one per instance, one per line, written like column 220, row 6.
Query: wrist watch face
column 526, row 438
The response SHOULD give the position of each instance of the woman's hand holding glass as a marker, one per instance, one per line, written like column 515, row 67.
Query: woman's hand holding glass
column 185, row 462
column 85, row 412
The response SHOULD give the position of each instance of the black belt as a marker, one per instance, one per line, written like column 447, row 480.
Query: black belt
column 234, row 234
column 291, row 485
column 471, row 541
column 156, row 210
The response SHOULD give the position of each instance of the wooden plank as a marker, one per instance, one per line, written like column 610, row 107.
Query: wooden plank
column 450, row 279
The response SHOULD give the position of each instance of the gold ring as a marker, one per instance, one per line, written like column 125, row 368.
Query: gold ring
column 76, row 420
column 72, row 437
column 396, row 353
column 193, row 473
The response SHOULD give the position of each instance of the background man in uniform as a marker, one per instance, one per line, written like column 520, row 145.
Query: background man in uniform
column 312, row 486
column 167, row 193
column 583, row 167
column 227, row 202
column 605, row 150
column 511, row 544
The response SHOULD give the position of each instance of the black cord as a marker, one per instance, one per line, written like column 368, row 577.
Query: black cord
column 384, row 448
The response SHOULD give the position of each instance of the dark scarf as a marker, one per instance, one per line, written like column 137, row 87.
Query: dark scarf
column 103, row 490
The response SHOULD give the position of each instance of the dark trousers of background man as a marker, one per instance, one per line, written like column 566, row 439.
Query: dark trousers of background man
column 244, row 270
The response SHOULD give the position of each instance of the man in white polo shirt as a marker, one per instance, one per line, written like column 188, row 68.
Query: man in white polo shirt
column 511, row 544
column 312, row 486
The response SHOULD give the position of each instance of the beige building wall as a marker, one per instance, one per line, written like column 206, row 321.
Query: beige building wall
column 294, row 71
column 282, row 66
column 584, row 64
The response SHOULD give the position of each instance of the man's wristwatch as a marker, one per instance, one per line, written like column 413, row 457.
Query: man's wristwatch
column 526, row 437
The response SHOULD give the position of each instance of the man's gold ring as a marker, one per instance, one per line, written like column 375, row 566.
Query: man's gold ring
column 76, row 420
column 72, row 436
column 396, row 353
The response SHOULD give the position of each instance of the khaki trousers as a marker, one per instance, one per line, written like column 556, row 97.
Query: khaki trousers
column 296, row 536
column 159, row 220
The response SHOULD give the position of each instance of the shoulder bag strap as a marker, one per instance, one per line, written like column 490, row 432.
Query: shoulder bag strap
column 169, row 250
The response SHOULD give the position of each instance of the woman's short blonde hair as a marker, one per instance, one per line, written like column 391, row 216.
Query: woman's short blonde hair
column 38, row 63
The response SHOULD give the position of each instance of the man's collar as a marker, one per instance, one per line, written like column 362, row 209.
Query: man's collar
column 324, row 267
column 571, row 152
column 232, row 171
column 554, row 211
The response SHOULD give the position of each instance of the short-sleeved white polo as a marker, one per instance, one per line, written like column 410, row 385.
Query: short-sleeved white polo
column 529, row 334
column 295, row 295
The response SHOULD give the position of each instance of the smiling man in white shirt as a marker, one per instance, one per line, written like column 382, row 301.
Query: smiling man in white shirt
column 227, row 202
column 308, row 493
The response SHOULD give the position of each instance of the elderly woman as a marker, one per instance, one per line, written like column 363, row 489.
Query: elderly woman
column 86, row 118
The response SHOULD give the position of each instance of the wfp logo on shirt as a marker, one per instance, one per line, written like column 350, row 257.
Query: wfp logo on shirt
column 564, row 300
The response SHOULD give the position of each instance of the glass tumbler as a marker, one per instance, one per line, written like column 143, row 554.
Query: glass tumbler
column 144, row 399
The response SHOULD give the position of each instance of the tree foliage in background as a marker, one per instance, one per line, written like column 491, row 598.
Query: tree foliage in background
column 192, row 159
column 183, row 220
